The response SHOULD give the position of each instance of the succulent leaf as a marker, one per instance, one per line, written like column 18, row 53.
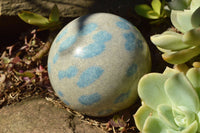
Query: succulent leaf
column 141, row 115
column 192, row 128
column 183, row 116
column 154, row 125
column 182, row 20
column 165, row 112
column 182, row 56
column 151, row 91
column 194, row 4
column 170, row 72
column 196, row 18
column 181, row 93
column 192, row 37
column 169, row 40
column 194, row 77
column 156, row 5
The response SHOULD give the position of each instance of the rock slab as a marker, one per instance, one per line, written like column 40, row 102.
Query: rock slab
column 37, row 115
column 68, row 8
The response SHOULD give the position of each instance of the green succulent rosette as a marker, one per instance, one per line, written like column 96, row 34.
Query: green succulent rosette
column 180, row 47
column 170, row 102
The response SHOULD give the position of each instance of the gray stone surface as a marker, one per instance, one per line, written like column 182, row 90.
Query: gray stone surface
column 68, row 8
column 37, row 115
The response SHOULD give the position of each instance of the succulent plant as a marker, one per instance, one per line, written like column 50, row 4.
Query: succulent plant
column 179, row 47
column 155, row 11
column 170, row 102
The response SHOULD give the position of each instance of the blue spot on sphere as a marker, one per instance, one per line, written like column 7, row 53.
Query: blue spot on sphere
column 89, row 99
column 60, row 94
column 121, row 97
column 140, row 44
column 95, row 48
column 87, row 29
column 67, row 43
column 69, row 73
column 102, row 37
column 55, row 58
column 61, row 35
column 132, row 70
column 130, row 41
column 91, row 50
column 123, row 25
column 89, row 76
column 66, row 102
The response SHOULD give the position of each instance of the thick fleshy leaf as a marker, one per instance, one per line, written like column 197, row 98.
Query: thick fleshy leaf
column 191, row 128
column 179, row 4
column 54, row 15
column 198, row 119
column 156, row 5
column 183, row 116
column 170, row 72
column 181, row 93
column 154, row 125
column 194, row 4
column 169, row 40
column 196, row 17
column 146, row 11
column 192, row 37
column 182, row 56
column 193, row 76
column 141, row 115
column 166, row 115
column 182, row 20
column 33, row 18
column 151, row 88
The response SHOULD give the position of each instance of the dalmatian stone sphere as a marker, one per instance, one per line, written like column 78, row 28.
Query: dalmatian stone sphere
column 95, row 63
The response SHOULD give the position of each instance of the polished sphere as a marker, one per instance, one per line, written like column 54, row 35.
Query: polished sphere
column 95, row 63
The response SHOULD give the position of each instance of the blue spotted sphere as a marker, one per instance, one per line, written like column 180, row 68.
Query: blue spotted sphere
column 95, row 63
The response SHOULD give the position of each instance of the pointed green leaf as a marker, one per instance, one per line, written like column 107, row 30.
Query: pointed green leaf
column 154, row 125
column 192, row 128
column 146, row 11
column 141, row 115
column 166, row 115
column 182, row 20
column 33, row 18
column 182, row 56
column 192, row 37
column 169, row 40
column 193, row 76
column 181, row 93
column 151, row 88
column 156, row 5
column 54, row 15
column 196, row 17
